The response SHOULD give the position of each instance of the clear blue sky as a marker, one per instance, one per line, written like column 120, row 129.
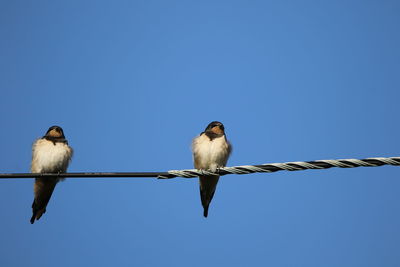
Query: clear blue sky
column 132, row 82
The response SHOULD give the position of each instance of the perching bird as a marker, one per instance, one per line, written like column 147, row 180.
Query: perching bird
column 210, row 152
column 50, row 154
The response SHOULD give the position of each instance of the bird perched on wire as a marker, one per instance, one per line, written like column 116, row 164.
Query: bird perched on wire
column 211, row 151
column 50, row 154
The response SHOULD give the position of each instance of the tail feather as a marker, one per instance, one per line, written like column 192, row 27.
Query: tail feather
column 43, row 190
column 37, row 212
column 205, row 212
column 205, row 202
column 208, row 184
column 33, row 218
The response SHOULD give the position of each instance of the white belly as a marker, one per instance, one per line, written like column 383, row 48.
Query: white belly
column 210, row 154
column 50, row 157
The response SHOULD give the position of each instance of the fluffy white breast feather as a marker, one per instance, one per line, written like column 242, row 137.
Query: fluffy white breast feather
column 210, row 154
column 50, row 157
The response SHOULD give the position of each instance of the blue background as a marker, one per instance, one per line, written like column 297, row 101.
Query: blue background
column 132, row 82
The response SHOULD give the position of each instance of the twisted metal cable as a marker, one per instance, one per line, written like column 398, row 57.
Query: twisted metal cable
column 245, row 169
column 287, row 166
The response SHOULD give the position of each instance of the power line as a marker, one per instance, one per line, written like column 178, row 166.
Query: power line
column 86, row 175
column 246, row 169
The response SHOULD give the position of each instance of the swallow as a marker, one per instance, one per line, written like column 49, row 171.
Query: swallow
column 211, row 151
column 50, row 154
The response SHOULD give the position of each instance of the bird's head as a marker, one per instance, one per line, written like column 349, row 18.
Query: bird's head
column 216, row 128
column 55, row 131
